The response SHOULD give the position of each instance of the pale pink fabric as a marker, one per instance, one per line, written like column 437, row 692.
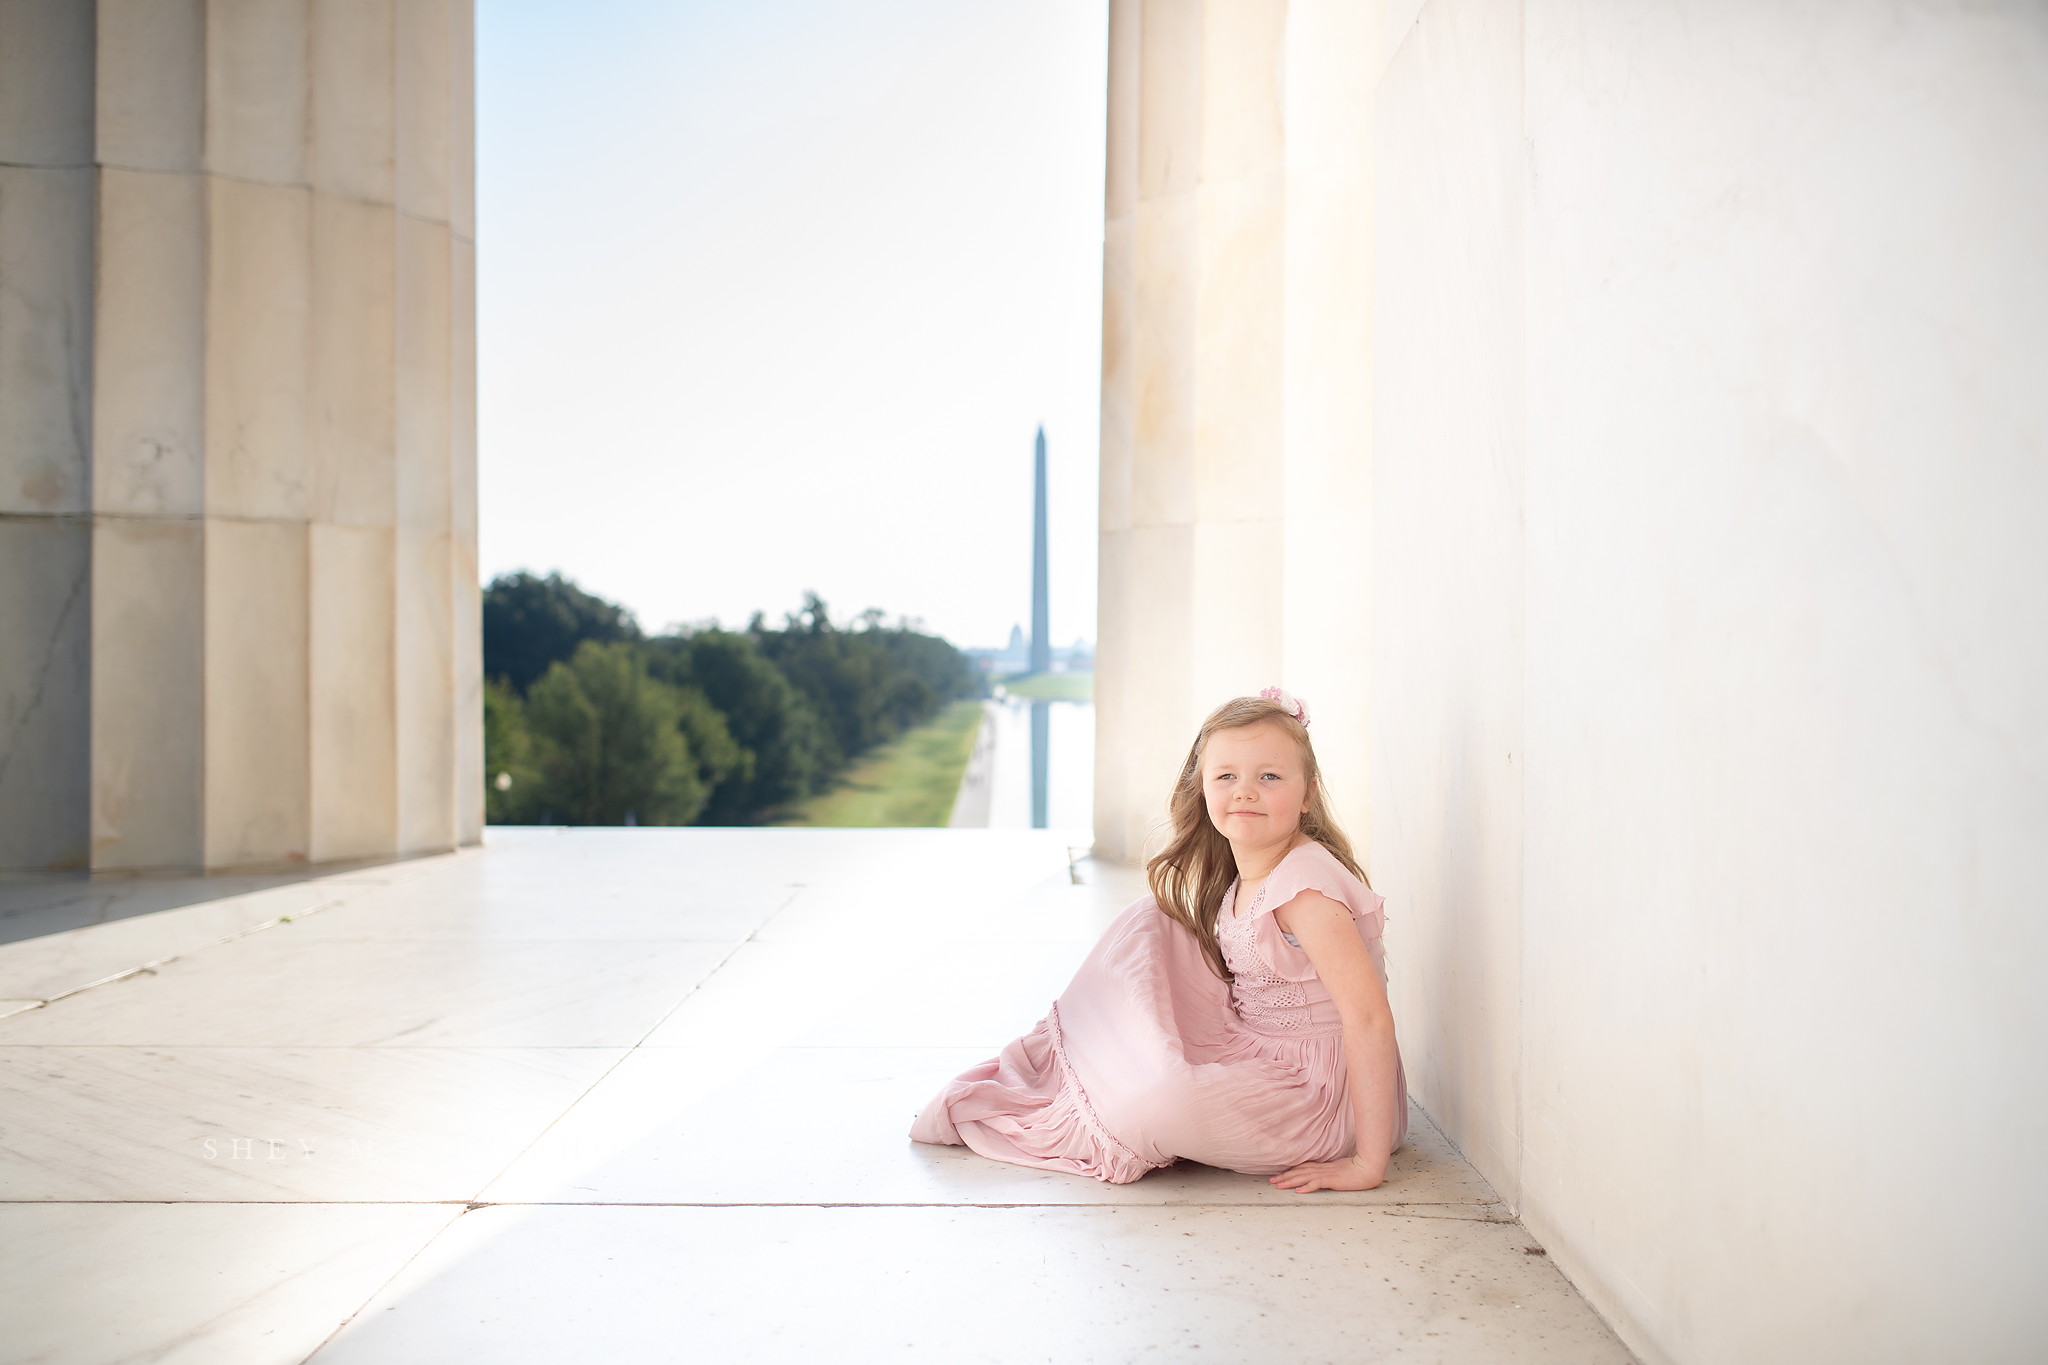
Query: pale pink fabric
column 1148, row 1057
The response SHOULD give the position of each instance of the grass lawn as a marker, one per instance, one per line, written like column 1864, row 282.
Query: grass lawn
column 1052, row 686
column 909, row 781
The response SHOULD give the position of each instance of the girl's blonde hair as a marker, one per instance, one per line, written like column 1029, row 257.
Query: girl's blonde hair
column 1190, row 876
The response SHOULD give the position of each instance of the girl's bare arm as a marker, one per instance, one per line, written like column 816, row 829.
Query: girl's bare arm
column 1325, row 930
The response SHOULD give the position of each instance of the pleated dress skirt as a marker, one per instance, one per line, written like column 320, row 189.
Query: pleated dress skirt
column 1144, row 1060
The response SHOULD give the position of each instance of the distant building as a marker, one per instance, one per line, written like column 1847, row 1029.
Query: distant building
column 1015, row 657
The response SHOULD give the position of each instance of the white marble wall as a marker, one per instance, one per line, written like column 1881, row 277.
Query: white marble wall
column 249, row 440
column 1708, row 627
column 1448, row 602
column 1626, row 422
column 1236, row 395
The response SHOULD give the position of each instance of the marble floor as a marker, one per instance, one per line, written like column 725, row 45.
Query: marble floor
column 641, row 1095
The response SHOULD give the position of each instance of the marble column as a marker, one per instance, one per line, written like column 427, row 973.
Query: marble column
column 238, row 582
column 1236, row 386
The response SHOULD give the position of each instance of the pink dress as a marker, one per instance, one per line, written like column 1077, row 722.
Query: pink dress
column 1148, row 1057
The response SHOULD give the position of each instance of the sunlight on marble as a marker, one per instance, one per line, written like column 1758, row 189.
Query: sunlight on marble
column 828, row 1125
column 272, row 1123
column 949, row 1283
column 196, row 1283
column 666, row 1072
column 278, row 989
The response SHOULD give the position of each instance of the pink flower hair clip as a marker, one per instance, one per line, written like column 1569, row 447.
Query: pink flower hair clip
column 1293, row 705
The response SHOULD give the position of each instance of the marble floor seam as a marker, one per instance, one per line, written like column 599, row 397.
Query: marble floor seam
column 397, row 1272
column 347, row 888
column 655, row 1027
column 149, row 968
column 347, row 1321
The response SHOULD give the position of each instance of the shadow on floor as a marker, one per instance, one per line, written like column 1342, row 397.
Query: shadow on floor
column 32, row 905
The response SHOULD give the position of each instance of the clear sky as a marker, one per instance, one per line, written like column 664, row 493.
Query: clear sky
column 772, row 295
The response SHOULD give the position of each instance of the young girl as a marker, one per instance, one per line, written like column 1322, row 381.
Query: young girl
column 1236, row 1016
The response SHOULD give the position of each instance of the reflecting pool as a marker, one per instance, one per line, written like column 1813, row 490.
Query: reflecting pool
column 1033, row 768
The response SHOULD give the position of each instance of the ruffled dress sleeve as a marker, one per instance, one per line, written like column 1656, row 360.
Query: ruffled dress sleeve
column 1314, row 868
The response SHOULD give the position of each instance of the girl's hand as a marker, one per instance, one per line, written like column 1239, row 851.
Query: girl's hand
column 1347, row 1174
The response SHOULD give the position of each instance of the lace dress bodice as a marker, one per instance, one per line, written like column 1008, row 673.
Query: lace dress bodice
column 1266, row 999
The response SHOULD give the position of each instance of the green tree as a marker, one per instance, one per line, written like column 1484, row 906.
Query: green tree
column 786, row 749
column 610, row 742
column 511, row 780
column 869, row 685
column 531, row 622
column 762, row 718
column 720, row 757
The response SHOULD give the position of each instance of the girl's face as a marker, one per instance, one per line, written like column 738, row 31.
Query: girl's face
column 1255, row 784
